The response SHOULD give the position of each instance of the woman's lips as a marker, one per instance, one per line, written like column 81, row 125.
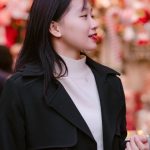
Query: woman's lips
column 96, row 38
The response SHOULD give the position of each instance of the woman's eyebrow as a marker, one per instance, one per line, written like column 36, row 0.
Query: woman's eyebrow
column 84, row 8
column 87, row 9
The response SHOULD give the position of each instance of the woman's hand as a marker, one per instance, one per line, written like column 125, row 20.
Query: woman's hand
column 138, row 142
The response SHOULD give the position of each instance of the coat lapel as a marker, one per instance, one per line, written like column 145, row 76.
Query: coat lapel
column 108, row 106
column 107, row 134
column 61, row 102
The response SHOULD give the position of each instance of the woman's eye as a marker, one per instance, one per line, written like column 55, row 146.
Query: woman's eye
column 84, row 16
column 92, row 16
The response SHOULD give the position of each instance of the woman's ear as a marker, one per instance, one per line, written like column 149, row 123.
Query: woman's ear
column 54, row 29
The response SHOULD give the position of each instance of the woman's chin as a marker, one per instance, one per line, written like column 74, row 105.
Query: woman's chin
column 92, row 47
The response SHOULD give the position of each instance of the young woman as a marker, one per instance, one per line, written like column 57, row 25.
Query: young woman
column 59, row 99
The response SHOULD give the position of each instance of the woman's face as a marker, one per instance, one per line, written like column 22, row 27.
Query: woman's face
column 78, row 27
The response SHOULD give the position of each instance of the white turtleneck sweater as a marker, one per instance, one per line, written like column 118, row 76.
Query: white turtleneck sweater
column 81, row 86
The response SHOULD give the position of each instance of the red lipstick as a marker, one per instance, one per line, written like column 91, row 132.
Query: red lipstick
column 96, row 38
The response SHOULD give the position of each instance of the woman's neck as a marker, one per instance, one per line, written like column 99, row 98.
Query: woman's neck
column 72, row 55
column 76, row 67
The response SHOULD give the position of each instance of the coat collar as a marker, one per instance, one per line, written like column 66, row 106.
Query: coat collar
column 32, row 69
column 37, row 70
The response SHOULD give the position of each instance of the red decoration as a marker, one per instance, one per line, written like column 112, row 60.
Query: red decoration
column 11, row 35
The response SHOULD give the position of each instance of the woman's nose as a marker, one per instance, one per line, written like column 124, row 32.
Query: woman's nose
column 93, row 23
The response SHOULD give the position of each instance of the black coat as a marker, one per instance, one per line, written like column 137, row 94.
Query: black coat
column 3, row 78
column 31, row 121
column 2, row 81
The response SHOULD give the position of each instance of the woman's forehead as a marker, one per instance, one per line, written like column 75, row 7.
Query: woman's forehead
column 79, row 5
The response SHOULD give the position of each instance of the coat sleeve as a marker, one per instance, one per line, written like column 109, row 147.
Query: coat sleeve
column 122, row 127
column 12, row 132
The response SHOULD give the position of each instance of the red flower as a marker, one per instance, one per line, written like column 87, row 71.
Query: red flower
column 143, row 42
column 11, row 35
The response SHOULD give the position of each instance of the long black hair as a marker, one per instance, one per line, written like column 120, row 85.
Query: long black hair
column 37, row 46
column 6, row 59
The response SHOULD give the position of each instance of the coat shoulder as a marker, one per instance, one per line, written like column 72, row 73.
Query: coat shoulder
column 19, row 80
column 102, row 69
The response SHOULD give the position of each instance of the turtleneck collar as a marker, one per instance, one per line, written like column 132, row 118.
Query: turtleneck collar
column 76, row 67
